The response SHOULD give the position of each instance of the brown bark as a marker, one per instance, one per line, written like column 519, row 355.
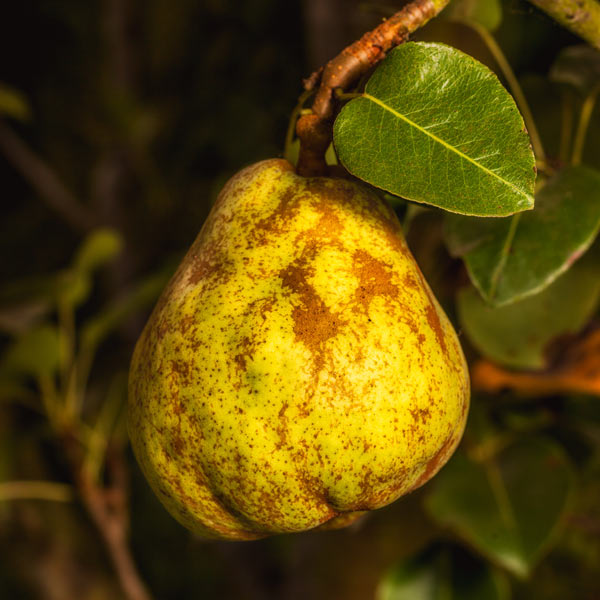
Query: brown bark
column 346, row 69
column 577, row 372
column 108, row 508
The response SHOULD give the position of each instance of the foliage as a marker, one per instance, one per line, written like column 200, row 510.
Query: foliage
column 433, row 125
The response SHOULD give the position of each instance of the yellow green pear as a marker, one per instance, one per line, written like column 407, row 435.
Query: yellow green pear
column 297, row 370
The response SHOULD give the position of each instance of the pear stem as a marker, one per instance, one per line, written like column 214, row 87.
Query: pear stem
column 345, row 69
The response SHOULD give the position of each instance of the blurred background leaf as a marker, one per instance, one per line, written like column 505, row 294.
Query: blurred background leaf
column 509, row 506
column 444, row 574
column 528, row 333
column 488, row 14
column 579, row 67
column 509, row 259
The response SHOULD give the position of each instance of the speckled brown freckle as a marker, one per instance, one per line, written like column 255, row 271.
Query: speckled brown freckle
column 421, row 414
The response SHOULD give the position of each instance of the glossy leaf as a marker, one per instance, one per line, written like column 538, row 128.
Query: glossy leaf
column 435, row 126
column 508, row 259
column 488, row 13
column 511, row 506
column 443, row 575
column 579, row 67
column 523, row 335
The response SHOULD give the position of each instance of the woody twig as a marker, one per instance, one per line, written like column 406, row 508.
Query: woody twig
column 577, row 372
column 314, row 130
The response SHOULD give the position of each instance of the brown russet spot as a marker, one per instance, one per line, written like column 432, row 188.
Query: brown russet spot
column 432, row 315
column 329, row 227
column 162, row 329
column 279, row 220
column 434, row 322
column 181, row 368
column 437, row 462
column 314, row 322
column 281, row 427
column 201, row 267
column 410, row 282
column 315, row 489
column 342, row 520
column 420, row 414
column 377, row 489
column 245, row 345
column 374, row 277
column 360, row 205
column 178, row 445
column 243, row 527
column 185, row 323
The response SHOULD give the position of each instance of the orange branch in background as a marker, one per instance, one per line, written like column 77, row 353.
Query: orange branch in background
column 578, row 372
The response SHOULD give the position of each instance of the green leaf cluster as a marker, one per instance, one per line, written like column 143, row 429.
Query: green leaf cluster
column 434, row 126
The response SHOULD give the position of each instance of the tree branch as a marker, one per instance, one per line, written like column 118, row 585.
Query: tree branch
column 352, row 63
column 578, row 372
column 107, row 507
column 44, row 180
column 35, row 490
column 582, row 17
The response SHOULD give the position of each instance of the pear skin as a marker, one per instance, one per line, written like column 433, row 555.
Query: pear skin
column 297, row 370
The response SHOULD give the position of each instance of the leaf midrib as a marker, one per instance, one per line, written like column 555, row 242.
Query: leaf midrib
column 446, row 145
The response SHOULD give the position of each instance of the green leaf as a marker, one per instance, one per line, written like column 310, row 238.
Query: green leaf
column 508, row 259
column 35, row 353
column 101, row 246
column 443, row 575
column 488, row 13
column 510, row 507
column 523, row 335
column 579, row 67
column 14, row 104
column 435, row 126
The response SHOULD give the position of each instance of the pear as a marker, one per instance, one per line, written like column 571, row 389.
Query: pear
column 297, row 371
